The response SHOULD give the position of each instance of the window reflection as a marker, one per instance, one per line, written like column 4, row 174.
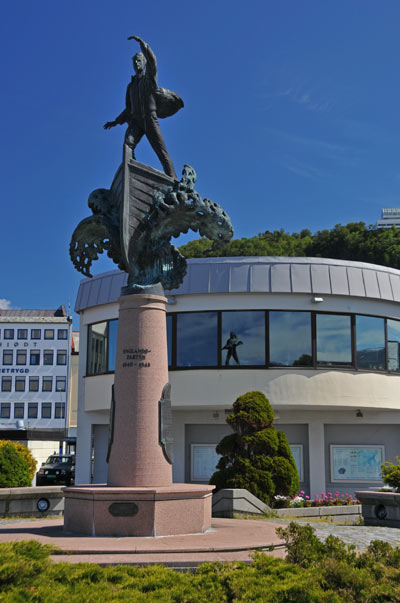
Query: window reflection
column 196, row 339
column 393, row 336
column 97, row 348
column 169, row 339
column 370, row 336
column 333, row 339
column 290, row 338
column 247, row 330
column 112, row 344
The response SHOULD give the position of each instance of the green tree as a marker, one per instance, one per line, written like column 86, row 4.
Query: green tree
column 354, row 241
column 14, row 468
column 26, row 453
column 255, row 457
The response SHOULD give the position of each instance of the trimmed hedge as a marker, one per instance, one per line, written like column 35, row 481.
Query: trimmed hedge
column 256, row 457
column 314, row 571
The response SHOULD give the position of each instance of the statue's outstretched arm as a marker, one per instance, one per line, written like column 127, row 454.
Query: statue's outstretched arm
column 151, row 64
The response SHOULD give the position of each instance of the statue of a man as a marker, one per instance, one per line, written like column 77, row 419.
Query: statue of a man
column 231, row 345
column 144, row 103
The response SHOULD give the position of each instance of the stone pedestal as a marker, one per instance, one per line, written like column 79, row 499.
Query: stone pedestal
column 139, row 498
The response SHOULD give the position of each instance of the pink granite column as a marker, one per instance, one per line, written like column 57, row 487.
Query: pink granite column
column 141, row 371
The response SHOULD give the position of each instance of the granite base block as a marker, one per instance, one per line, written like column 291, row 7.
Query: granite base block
column 160, row 511
column 230, row 502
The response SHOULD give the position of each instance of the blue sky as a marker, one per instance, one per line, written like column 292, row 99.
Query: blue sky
column 291, row 117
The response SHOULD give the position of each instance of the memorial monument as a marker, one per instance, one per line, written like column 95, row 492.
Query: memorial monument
column 133, row 222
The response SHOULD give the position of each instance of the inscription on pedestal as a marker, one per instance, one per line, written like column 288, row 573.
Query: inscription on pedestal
column 136, row 357
column 123, row 509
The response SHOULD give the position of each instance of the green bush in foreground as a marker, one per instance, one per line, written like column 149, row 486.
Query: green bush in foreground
column 314, row 571
column 256, row 457
column 14, row 468
column 391, row 473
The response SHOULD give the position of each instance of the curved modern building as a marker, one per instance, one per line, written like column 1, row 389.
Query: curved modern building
column 320, row 337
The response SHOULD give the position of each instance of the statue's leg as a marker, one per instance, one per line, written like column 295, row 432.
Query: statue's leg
column 156, row 140
column 133, row 136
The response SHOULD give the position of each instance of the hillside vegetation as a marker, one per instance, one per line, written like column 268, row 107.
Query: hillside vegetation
column 354, row 241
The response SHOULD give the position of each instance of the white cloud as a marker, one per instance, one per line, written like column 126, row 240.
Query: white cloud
column 5, row 304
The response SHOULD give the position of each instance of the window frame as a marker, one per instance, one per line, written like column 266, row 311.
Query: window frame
column 19, row 406
column 34, row 337
column 65, row 355
column 33, row 379
column 45, row 336
column 46, row 406
column 19, row 379
column 19, row 336
column 4, row 406
column 6, row 379
column 33, row 406
column 9, row 353
column 61, row 378
column 59, row 408
column 46, row 354
column 8, row 334
column 34, row 353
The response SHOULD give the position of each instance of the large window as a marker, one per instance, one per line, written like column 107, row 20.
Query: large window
column 333, row 339
column 48, row 357
column 21, row 357
column 35, row 334
column 61, row 357
column 47, row 384
column 49, row 333
column 19, row 384
column 370, row 338
column 102, row 345
column 62, row 334
column 59, row 411
column 32, row 410
column 34, row 357
column 61, row 384
column 290, row 339
column 393, row 343
column 5, row 408
column 261, row 338
column 22, row 333
column 197, row 334
column 19, row 410
column 7, row 357
column 243, row 338
column 8, row 333
column 169, row 339
column 46, row 410
column 6, row 384
column 33, row 384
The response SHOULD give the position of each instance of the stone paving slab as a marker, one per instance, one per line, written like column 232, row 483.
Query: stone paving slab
column 227, row 540
column 360, row 536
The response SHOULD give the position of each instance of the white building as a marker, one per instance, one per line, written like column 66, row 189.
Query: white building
column 35, row 348
column 390, row 217
column 320, row 338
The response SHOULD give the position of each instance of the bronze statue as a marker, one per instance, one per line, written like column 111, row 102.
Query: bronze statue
column 144, row 103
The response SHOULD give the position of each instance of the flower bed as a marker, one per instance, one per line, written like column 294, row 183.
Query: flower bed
column 323, row 499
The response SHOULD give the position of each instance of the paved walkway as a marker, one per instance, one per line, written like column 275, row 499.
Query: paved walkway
column 360, row 536
column 228, row 540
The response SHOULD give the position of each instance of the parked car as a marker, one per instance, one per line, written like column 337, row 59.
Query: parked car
column 58, row 469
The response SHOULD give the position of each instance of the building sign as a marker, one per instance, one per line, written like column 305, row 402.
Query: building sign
column 297, row 451
column 356, row 463
column 204, row 461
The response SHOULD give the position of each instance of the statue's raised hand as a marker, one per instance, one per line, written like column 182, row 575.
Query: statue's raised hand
column 109, row 124
column 136, row 38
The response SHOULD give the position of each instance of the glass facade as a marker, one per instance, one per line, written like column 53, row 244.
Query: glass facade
column 243, row 338
column 196, row 340
column 102, row 346
column 333, row 339
column 370, row 341
column 265, row 339
column 290, row 341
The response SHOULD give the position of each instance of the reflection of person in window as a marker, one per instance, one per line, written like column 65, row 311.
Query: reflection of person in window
column 231, row 345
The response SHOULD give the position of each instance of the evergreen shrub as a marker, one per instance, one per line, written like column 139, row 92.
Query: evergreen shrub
column 256, row 457
column 14, row 468
column 26, row 453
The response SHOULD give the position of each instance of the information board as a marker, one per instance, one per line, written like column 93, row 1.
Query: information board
column 356, row 463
